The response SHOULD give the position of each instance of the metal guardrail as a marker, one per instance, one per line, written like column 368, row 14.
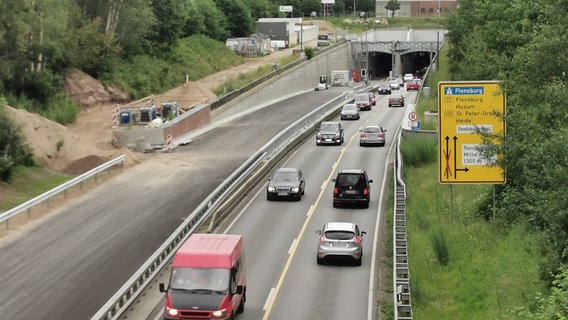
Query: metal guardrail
column 46, row 196
column 401, row 272
column 115, row 307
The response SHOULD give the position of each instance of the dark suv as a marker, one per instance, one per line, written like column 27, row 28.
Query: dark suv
column 329, row 132
column 352, row 186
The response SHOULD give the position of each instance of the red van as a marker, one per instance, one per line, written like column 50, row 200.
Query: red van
column 208, row 279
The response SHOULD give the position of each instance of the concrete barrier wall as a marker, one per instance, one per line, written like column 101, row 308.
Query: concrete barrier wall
column 189, row 121
column 301, row 78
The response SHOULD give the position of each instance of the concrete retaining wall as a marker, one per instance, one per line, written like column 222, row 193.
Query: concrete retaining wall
column 300, row 78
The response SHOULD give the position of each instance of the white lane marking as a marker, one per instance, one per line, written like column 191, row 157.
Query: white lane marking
column 291, row 255
column 292, row 246
column 371, row 299
column 323, row 184
column 312, row 207
column 268, row 299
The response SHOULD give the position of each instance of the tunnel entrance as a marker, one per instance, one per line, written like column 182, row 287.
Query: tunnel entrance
column 381, row 63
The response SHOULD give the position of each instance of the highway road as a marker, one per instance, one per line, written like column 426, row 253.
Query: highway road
column 71, row 264
column 284, row 281
column 68, row 267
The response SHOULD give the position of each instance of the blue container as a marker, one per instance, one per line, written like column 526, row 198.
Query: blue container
column 126, row 116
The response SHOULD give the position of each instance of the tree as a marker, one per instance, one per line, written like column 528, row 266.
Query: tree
column 307, row 6
column 238, row 17
column 13, row 150
column 393, row 5
column 171, row 17
column 261, row 9
column 205, row 18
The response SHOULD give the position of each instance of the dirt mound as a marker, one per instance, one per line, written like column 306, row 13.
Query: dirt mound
column 88, row 92
column 85, row 144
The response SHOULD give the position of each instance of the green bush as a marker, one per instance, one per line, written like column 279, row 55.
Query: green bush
column 309, row 53
column 440, row 246
column 418, row 151
column 62, row 110
column 13, row 150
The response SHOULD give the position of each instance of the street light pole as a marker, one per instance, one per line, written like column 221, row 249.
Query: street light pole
column 354, row 8
column 302, row 37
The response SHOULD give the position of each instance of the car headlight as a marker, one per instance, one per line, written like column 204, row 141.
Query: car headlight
column 296, row 189
column 318, row 136
column 220, row 313
column 337, row 135
column 271, row 189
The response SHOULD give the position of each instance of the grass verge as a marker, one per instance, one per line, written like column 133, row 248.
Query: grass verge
column 461, row 265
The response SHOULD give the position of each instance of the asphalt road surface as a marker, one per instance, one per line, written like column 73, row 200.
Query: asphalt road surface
column 70, row 265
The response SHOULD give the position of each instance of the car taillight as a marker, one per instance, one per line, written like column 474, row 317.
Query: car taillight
column 357, row 239
column 363, row 135
column 380, row 135
column 366, row 191
column 335, row 191
column 322, row 239
column 390, row 100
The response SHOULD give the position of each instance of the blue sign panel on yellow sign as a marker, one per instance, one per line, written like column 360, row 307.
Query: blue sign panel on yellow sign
column 464, row 90
column 470, row 113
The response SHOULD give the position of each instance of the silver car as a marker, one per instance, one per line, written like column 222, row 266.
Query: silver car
column 350, row 111
column 373, row 135
column 340, row 239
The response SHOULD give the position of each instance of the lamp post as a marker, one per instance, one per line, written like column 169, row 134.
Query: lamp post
column 301, row 36
column 354, row 8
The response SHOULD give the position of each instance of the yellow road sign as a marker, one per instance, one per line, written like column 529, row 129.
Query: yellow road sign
column 465, row 111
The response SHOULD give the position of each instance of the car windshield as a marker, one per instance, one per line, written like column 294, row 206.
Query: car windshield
column 371, row 130
column 214, row 279
column 329, row 127
column 339, row 235
column 349, row 107
column 285, row 176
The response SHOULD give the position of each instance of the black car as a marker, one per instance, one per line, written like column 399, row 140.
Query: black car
column 384, row 89
column 396, row 100
column 286, row 183
column 329, row 132
column 352, row 186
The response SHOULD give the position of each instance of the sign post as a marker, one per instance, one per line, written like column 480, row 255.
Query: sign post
column 467, row 110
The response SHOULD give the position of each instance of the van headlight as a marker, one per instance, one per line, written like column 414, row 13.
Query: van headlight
column 220, row 313
column 172, row 312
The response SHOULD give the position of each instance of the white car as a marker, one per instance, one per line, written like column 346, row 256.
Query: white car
column 394, row 85
column 350, row 111
column 321, row 87
column 408, row 77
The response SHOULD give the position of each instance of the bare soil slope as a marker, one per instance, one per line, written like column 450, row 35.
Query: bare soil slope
column 81, row 146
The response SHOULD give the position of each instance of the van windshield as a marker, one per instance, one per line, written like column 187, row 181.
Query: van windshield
column 214, row 279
